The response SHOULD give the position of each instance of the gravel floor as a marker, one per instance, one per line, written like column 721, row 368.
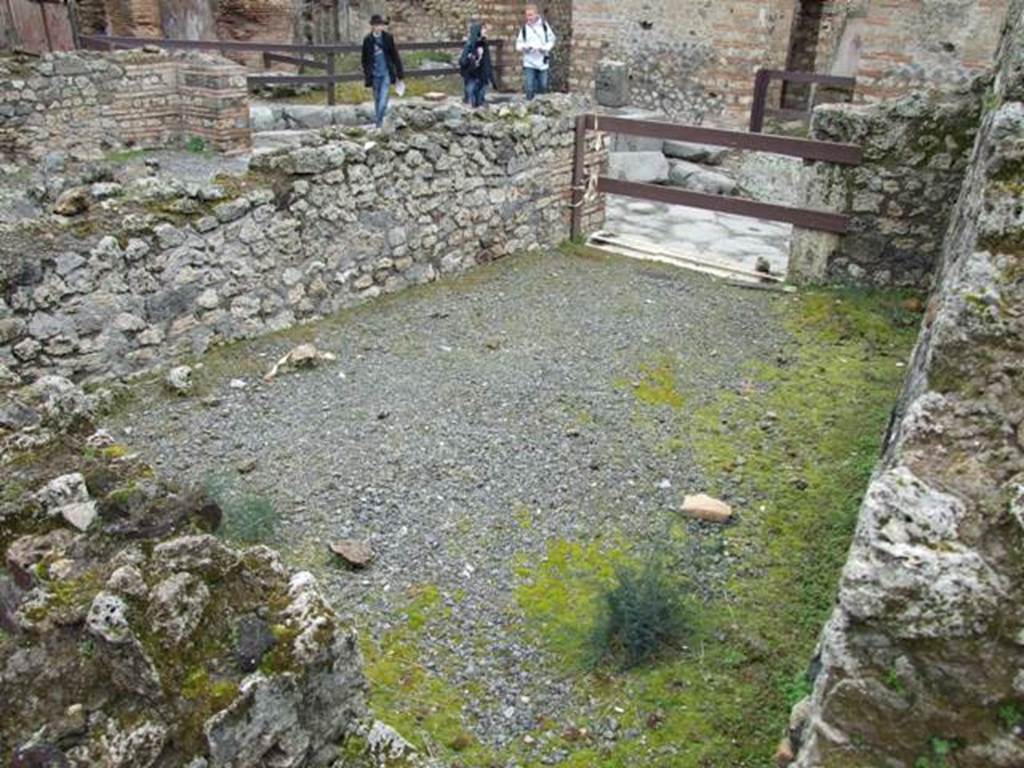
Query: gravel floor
column 451, row 409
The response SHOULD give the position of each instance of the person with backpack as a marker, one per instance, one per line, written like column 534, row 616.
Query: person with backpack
column 535, row 40
column 475, row 65
column 382, row 66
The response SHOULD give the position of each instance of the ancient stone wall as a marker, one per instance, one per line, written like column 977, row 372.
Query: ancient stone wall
column 690, row 59
column 695, row 60
column 916, row 152
column 921, row 662
column 172, row 268
column 90, row 103
column 894, row 46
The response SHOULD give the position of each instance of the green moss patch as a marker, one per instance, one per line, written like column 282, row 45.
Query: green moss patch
column 799, row 446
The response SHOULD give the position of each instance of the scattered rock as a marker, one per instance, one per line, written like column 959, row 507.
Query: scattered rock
column 784, row 754
column 356, row 553
column 128, row 580
column 913, row 304
column 179, row 379
column 177, row 606
column 384, row 743
column 62, row 404
column 72, row 202
column 704, row 507
column 68, row 497
column 246, row 466
column 254, row 640
column 303, row 356
column 26, row 551
column 81, row 516
column 108, row 619
column 15, row 415
column 66, row 489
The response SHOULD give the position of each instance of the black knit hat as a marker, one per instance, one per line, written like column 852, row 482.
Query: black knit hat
column 378, row 21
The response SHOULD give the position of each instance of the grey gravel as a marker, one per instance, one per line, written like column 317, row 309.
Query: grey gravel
column 451, row 409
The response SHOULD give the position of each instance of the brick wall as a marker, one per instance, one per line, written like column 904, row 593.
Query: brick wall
column 691, row 59
column 140, row 18
column 89, row 103
column 893, row 46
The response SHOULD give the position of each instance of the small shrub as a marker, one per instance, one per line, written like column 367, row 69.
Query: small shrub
column 641, row 615
column 248, row 518
column 1010, row 716
column 195, row 144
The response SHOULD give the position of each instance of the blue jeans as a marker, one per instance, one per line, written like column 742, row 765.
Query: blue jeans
column 535, row 81
column 476, row 92
column 381, row 93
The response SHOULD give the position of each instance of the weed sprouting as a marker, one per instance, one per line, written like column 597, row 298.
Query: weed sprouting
column 641, row 615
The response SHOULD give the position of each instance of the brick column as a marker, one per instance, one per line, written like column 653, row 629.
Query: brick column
column 214, row 103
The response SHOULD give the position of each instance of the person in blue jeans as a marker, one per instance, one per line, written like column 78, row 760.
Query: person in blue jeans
column 535, row 41
column 382, row 66
column 475, row 66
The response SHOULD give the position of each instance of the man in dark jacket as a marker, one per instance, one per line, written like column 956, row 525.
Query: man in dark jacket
column 381, row 65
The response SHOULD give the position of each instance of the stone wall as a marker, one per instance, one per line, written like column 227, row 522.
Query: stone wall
column 922, row 661
column 90, row 103
column 689, row 59
column 173, row 268
column 895, row 46
column 695, row 61
column 916, row 152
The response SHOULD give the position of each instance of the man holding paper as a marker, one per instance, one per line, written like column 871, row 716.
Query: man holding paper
column 382, row 66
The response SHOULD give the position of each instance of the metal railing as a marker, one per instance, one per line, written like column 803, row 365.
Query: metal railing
column 762, row 82
column 279, row 53
column 846, row 154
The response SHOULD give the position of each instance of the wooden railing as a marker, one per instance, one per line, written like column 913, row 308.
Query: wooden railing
column 846, row 154
column 279, row 53
column 762, row 82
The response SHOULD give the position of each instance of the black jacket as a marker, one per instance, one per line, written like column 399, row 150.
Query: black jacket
column 482, row 69
column 390, row 53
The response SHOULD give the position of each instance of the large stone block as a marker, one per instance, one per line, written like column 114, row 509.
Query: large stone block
column 647, row 167
column 700, row 179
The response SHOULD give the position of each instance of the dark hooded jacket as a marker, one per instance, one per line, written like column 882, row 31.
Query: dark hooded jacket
column 475, row 67
column 390, row 53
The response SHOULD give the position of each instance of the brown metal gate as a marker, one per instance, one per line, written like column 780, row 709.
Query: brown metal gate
column 40, row 26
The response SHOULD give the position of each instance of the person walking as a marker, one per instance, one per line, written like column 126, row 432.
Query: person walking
column 476, row 66
column 535, row 40
column 382, row 66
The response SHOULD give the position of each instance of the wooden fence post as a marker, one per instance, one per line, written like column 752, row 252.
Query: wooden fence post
column 331, row 84
column 761, row 82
